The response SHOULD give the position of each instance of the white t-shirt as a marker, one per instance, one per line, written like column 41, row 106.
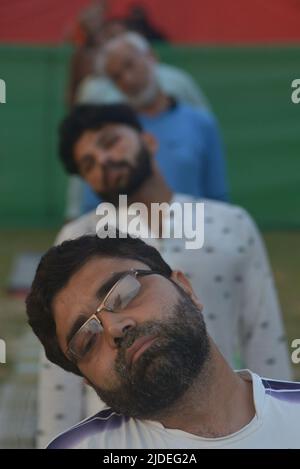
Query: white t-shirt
column 275, row 425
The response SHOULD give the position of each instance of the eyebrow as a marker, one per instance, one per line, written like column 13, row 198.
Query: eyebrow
column 100, row 294
column 108, row 138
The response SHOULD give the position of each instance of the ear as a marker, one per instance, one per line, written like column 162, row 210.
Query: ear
column 150, row 142
column 178, row 277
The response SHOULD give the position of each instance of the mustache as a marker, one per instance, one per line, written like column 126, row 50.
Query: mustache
column 116, row 165
column 121, row 365
column 135, row 333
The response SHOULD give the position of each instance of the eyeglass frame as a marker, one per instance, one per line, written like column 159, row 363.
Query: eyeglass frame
column 134, row 272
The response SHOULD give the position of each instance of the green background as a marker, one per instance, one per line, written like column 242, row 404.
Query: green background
column 249, row 89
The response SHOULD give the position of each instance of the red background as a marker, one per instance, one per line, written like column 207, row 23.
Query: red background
column 190, row 21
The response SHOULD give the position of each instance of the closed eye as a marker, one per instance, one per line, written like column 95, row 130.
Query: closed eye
column 89, row 344
column 86, row 164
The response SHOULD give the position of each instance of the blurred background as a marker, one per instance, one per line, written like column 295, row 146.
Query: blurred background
column 243, row 54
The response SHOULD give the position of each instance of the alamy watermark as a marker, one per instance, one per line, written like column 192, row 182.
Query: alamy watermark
column 162, row 220
column 2, row 351
column 2, row 91
column 296, row 353
column 2, row 101
column 295, row 97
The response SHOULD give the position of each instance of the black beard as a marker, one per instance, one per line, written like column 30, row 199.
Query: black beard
column 166, row 370
column 138, row 174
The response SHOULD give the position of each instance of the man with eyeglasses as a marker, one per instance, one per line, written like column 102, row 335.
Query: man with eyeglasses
column 113, row 311
column 110, row 150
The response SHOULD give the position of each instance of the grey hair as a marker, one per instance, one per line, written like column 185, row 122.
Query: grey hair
column 131, row 38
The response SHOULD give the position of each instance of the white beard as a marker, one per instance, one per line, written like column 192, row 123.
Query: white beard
column 148, row 94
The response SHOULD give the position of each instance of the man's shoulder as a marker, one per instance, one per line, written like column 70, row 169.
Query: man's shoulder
column 167, row 71
column 211, row 206
column 283, row 390
column 219, row 217
column 283, row 407
column 86, row 224
column 197, row 115
column 97, row 90
column 77, row 436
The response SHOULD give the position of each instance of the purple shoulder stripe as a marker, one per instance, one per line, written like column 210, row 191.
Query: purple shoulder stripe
column 89, row 427
column 283, row 390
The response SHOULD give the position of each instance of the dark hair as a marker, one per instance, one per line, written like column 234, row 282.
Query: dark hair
column 59, row 264
column 90, row 117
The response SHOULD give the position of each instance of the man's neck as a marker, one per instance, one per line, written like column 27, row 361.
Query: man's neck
column 221, row 404
column 153, row 190
column 160, row 104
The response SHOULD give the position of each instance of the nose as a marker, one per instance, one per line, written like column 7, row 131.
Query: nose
column 102, row 157
column 129, row 81
column 115, row 325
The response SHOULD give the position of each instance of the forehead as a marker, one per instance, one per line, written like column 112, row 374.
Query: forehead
column 91, row 137
column 92, row 275
column 122, row 51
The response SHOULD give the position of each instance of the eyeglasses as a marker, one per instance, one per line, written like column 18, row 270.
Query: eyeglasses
column 116, row 300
